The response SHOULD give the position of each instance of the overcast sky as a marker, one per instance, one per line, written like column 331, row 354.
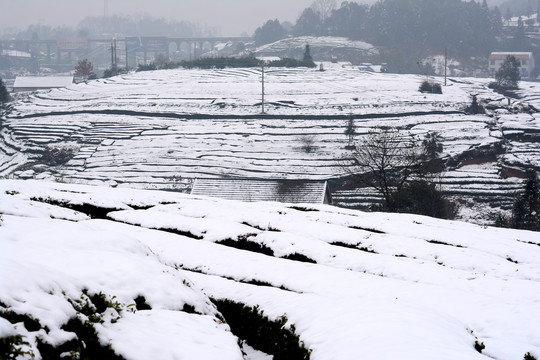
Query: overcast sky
column 231, row 17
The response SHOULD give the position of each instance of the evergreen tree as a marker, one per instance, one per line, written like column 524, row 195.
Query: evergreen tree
column 519, row 41
column 307, row 55
column 85, row 69
column 308, row 24
column 508, row 14
column 526, row 210
column 508, row 75
column 485, row 5
column 4, row 95
column 270, row 32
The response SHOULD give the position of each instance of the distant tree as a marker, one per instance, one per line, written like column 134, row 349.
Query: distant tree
column 475, row 108
column 384, row 160
column 350, row 131
column 350, row 20
column 507, row 76
column 526, row 210
column 394, row 165
column 432, row 148
column 423, row 197
column 496, row 21
column 485, row 5
column 4, row 96
column 270, row 32
column 161, row 60
column 324, row 8
column 84, row 69
column 432, row 145
column 519, row 40
column 508, row 14
column 308, row 24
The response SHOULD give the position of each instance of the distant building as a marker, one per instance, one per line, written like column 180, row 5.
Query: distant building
column 370, row 68
column 251, row 190
column 526, row 60
column 32, row 83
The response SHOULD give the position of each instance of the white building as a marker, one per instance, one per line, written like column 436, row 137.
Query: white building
column 526, row 61
column 31, row 83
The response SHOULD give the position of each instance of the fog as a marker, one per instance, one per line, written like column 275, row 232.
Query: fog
column 229, row 17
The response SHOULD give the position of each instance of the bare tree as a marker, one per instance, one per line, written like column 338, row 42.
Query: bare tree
column 324, row 8
column 384, row 160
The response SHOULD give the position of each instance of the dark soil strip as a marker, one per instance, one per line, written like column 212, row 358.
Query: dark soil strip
column 239, row 116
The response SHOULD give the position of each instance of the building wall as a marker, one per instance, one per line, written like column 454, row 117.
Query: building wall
column 526, row 61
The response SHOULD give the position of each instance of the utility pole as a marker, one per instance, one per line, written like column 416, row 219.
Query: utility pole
column 115, row 59
column 445, row 64
column 114, row 67
column 112, row 57
column 127, row 67
column 263, row 86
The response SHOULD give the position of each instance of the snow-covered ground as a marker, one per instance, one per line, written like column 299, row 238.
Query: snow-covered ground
column 162, row 129
column 381, row 286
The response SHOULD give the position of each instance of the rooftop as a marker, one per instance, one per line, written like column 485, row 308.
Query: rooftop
column 251, row 190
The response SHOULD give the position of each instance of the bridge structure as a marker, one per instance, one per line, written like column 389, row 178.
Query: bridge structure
column 70, row 50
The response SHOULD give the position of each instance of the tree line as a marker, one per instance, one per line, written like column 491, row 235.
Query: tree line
column 407, row 30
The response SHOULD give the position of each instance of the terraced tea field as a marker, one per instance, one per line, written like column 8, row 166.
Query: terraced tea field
column 162, row 129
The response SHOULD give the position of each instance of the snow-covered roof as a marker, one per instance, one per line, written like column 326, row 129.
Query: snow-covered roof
column 42, row 82
column 287, row 191
column 16, row 53
column 510, row 53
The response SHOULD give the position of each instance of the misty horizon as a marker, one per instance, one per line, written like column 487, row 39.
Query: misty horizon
column 228, row 18
column 224, row 17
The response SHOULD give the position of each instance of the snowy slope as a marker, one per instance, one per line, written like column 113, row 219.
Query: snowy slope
column 379, row 286
column 162, row 129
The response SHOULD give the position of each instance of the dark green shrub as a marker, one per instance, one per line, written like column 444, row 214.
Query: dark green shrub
column 243, row 243
column 269, row 336
column 475, row 108
column 423, row 198
column 430, row 87
column 299, row 257
column 141, row 304
column 479, row 346
column 11, row 347
column 149, row 67
column 529, row 356
column 55, row 156
column 222, row 62
column 88, row 345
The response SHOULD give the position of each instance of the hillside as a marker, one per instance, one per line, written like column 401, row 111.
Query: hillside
column 148, row 272
column 162, row 129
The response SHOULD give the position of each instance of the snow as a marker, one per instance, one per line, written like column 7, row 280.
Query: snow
column 162, row 129
column 428, row 289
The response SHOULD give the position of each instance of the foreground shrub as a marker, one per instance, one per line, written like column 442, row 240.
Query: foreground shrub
column 269, row 336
